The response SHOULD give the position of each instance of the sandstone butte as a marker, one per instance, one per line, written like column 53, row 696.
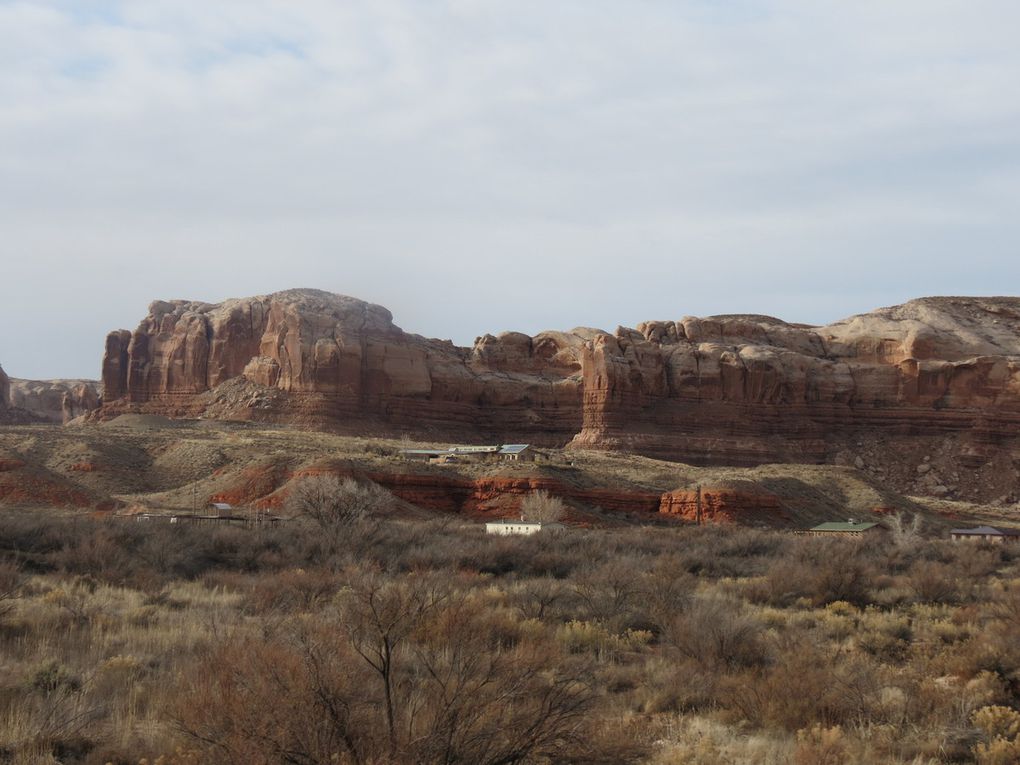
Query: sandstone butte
column 5, row 389
column 734, row 389
column 25, row 401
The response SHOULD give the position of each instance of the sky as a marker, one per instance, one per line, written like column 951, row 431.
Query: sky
column 487, row 165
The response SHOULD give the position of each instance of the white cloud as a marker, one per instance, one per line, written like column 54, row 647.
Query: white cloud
column 477, row 166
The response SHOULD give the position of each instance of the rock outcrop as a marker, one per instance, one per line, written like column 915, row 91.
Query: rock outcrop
column 10, row 413
column 751, row 389
column 724, row 504
column 54, row 400
column 737, row 389
column 341, row 363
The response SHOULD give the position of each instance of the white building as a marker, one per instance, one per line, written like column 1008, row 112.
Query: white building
column 506, row 528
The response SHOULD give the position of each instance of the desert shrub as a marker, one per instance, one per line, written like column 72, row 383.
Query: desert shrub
column 819, row 745
column 804, row 686
column 934, row 582
column 12, row 581
column 292, row 591
column 540, row 598
column 594, row 638
column 609, row 593
column 1000, row 727
column 379, row 450
column 53, row 677
column 820, row 572
column 410, row 672
column 717, row 632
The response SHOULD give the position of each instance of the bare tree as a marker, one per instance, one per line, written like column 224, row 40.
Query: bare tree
column 542, row 507
column 378, row 615
column 905, row 532
column 411, row 671
column 336, row 504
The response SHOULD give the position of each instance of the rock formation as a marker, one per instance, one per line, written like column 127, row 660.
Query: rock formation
column 733, row 389
column 751, row 389
column 54, row 400
column 10, row 412
column 342, row 363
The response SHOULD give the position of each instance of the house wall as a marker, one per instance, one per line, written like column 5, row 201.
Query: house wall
column 507, row 529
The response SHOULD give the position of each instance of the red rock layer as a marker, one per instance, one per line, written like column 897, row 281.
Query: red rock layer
column 722, row 506
column 266, row 486
column 747, row 390
column 341, row 363
column 737, row 390
column 21, row 484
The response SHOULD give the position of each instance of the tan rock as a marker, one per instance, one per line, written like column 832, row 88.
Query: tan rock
column 54, row 400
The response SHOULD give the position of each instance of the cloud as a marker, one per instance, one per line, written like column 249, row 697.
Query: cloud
column 484, row 165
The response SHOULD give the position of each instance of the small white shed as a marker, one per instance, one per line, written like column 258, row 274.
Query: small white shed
column 526, row 528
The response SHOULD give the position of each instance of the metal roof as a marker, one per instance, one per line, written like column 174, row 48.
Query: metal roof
column 424, row 451
column 473, row 449
column 513, row 448
column 222, row 506
column 845, row 526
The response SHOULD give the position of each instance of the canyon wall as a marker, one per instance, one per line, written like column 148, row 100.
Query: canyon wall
column 321, row 360
column 54, row 400
column 737, row 390
column 752, row 389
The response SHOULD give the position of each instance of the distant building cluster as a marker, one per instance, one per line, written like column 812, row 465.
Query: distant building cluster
column 855, row 528
column 497, row 453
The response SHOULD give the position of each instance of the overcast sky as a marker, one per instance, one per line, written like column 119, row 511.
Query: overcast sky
column 480, row 166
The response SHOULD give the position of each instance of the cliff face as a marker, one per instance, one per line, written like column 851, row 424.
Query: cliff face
column 54, row 400
column 750, row 389
column 331, row 361
column 722, row 390
column 5, row 389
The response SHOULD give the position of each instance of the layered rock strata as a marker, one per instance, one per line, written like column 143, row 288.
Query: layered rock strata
column 736, row 389
column 752, row 389
column 341, row 363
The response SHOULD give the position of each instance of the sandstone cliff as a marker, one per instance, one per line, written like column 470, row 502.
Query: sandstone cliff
column 54, row 400
column 327, row 360
column 933, row 382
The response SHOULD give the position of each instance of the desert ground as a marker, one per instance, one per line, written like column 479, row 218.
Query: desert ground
column 410, row 635
column 147, row 463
